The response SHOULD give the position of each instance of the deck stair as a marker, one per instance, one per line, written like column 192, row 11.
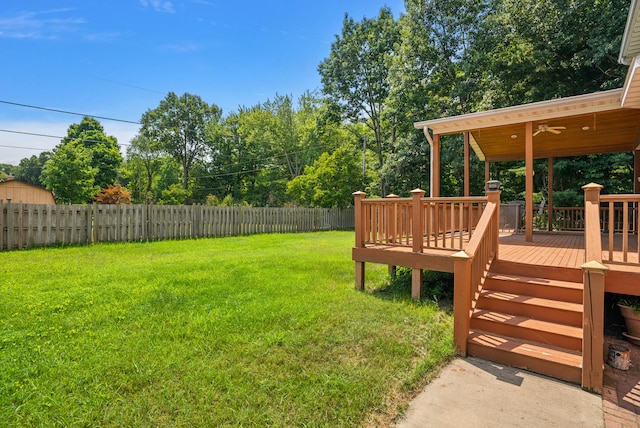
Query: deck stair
column 530, row 317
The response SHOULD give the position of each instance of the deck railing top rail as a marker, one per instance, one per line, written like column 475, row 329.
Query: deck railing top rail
column 418, row 222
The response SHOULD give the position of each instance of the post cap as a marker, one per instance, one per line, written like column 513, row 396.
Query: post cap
column 392, row 195
column 493, row 185
column 417, row 190
column 594, row 265
column 359, row 193
column 592, row 186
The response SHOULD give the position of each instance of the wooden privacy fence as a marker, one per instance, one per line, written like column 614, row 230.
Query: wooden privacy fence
column 31, row 225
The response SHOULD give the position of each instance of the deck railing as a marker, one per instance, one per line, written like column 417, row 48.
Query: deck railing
column 470, row 268
column 572, row 218
column 620, row 220
column 418, row 222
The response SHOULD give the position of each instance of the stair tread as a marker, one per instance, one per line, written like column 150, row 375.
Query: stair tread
column 527, row 322
column 527, row 348
column 530, row 300
column 535, row 280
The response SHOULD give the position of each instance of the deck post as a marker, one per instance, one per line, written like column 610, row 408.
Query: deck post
column 528, row 205
column 392, row 217
column 359, row 226
column 461, row 300
column 417, row 229
column 592, row 235
column 417, row 233
column 593, row 326
column 493, row 197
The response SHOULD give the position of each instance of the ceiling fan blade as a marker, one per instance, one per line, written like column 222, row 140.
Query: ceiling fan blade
column 553, row 130
column 537, row 132
column 558, row 127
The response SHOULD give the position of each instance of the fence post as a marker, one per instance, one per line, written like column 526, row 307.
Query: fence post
column 9, row 225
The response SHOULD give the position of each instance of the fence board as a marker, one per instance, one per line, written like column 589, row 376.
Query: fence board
column 37, row 225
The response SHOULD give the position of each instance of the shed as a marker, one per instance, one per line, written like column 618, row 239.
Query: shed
column 19, row 191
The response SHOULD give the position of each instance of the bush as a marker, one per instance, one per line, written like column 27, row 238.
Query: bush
column 437, row 286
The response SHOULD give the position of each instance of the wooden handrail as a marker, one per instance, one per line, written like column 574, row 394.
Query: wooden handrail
column 417, row 222
column 470, row 267
column 622, row 221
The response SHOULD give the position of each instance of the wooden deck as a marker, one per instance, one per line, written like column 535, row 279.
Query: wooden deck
column 559, row 249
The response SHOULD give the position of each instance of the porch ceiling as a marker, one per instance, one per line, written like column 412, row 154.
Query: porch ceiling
column 595, row 123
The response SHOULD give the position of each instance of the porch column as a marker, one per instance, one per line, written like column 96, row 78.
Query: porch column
column 435, row 171
column 636, row 171
column 550, row 191
column 487, row 170
column 467, row 174
column 359, row 226
column 528, row 156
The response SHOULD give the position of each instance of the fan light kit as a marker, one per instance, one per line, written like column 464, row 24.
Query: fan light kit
column 547, row 128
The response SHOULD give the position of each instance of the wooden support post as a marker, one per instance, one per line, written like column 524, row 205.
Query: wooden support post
column 487, row 173
column 435, row 184
column 550, row 194
column 461, row 300
column 593, row 326
column 417, row 228
column 359, row 226
column 416, row 283
column 467, row 174
column 392, row 234
column 494, row 197
column 528, row 155
column 592, row 235
column 636, row 171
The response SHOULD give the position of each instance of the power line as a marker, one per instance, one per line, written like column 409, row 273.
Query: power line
column 69, row 112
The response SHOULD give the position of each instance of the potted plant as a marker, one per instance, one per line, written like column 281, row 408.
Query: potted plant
column 630, row 310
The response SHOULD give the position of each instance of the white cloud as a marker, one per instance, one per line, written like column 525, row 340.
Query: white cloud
column 39, row 25
column 158, row 5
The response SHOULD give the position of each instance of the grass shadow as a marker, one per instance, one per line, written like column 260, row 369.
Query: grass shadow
column 437, row 288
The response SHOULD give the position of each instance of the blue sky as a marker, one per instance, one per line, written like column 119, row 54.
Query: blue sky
column 119, row 58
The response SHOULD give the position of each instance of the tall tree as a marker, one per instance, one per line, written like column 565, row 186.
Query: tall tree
column 69, row 174
column 29, row 169
column 105, row 152
column 179, row 125
column 145, row 154
column 356, row 74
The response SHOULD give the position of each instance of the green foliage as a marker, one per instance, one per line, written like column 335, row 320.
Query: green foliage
column 436, row 286
column 179, row 125
column 195, row 333
column 30, row 169
column 356, row 76
column 174, row 195
column 69, row 173
column 330, row 182
column 105, row 152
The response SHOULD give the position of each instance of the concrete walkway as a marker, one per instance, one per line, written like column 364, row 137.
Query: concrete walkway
column 472, row 392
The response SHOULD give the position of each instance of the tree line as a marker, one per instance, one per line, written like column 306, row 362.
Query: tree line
column 438, row 58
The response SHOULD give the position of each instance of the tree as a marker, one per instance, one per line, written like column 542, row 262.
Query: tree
column 29, row 169
column 105, row 152
column 179, row 125
column 114, row 194
column 329, row 182
column 356, row 74
column 69, row 174
column 143, row 164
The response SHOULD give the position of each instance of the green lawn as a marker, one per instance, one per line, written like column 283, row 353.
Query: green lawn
column 245, row 331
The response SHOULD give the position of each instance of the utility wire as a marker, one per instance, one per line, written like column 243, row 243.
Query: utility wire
column 69, row 112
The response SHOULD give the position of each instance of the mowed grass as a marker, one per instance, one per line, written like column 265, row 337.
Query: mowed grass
column 265, row 330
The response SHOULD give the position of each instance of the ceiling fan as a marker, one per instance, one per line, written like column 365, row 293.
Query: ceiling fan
column 547, row 128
